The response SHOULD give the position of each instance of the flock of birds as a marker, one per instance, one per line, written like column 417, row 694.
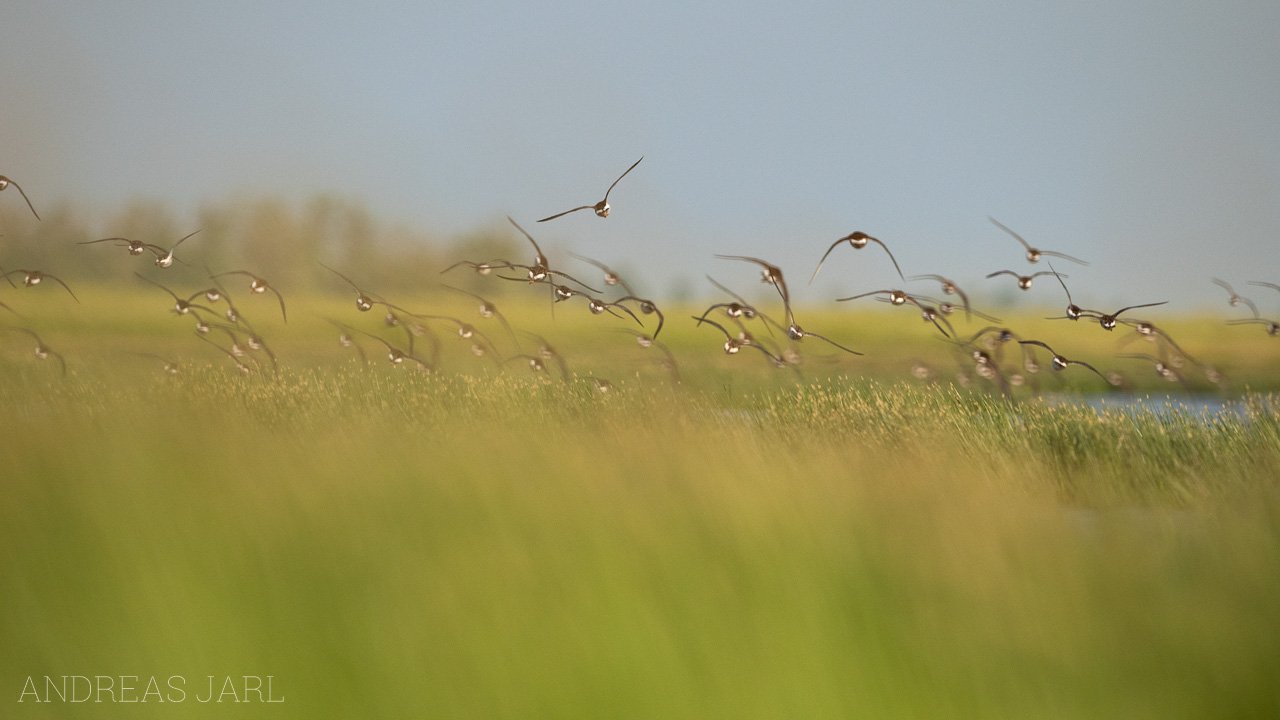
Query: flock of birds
column 741, row 324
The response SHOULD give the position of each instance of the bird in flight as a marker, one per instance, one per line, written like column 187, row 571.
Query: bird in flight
column 1033, row 254
column 602, row 207
column 42, row 350
column 857, row 240
column 164, row 258
column 1060, row 362
column 1024, row 281
column 35, row 277
column 6, row 182
column 258, row 285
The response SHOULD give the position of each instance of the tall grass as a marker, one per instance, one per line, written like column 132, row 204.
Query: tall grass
column 750, row 543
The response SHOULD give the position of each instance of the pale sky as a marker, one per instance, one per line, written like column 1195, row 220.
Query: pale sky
column 1141, row 136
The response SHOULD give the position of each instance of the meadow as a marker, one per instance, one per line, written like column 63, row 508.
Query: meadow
column 842, row 539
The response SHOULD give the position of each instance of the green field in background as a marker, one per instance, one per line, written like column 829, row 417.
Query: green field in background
column 842, row 541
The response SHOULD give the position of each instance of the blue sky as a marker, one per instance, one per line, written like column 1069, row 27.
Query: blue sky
column 1141, row 136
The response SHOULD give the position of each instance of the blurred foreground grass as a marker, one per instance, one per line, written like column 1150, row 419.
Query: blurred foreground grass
column 748, row 544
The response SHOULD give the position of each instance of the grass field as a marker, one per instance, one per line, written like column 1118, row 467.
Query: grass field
column 839, row 541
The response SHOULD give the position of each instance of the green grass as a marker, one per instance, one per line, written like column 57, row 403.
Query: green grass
column 841, row 542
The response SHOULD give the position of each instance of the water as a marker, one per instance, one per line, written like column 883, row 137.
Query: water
column 1202, row 407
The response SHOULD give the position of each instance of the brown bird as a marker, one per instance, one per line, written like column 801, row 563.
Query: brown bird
column 1034, row 255
column 740, row 309
column 244, row 369
column 648, row 341
column 397, row 356
column 949, row 287
column 1234, row 300
column 895, row 297
column 42, row 351
column 541, row 267
column 164, row 258
column 1273, row 327
column 258, row 285
column 795, row 332
column 1024, row 281
column 771, row 274
column 602, row 207
column 180, row 306
column 948, row 308
column 346, row 338
column 647, row 306
column 31, row 278
column 481, row 268
column 363, row 302
column 6, row 182
column 547, row 352
column 1073, row 311
column 857, row 240
column 487, row 310
column 1060, row 362
column 134, row 247
column 1151, row 332
column 732, row 344
column 170, row 367
column 1108, row 322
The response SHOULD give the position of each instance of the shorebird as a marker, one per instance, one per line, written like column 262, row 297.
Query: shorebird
column 547, row 352
column 647, row 306
column 535, row 363
column 1273, row 327
column 740, row 309
column 1144, row 329
column 541, row 267
column 895, row 297
column 769, row 273
column 397, row 356
column 732, row 344
column 31, row 278
column 1034, row 255
column 481, row 268
column 258, row 285
column 857, row 240
column 648, row 341
column 244, row 369
column 487, row 310
column 42, row 351
column 601, row 208
column 1024, row 281
column 929, row 314
column 949, row 287
column 170, row 367
column 1060, row 362
column 1162, row 368
column 364, row 302
column 134, row 247
column 164, row 258
column 1108, row 322
column 1073, row 311
column 6, row 182
column 795, row 332
column 948, row 308
column 991, row 335
column 346, row 339
column 180, row 306
column 1234, row 300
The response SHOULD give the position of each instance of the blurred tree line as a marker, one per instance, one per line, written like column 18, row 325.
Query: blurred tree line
column 270, row 237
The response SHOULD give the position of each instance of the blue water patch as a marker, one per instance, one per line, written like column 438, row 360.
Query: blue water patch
column 1206, row 407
